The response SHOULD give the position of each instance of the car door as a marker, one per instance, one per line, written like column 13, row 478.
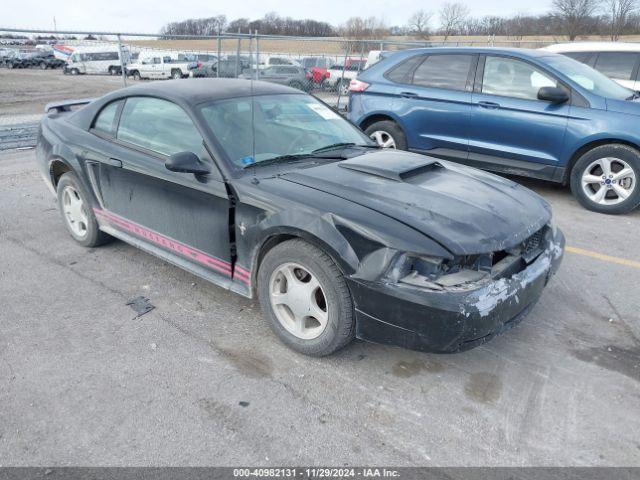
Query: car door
column 619, row 66
column 510, row 129
column 180, row 216
column 433, row 102
column 269, row 74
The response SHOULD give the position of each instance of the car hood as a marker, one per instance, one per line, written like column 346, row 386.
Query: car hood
column 464, row 209
column 631, row 107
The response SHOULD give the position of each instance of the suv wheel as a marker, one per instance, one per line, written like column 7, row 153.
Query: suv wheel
column 305, row 298
column 387, row 134
column 605, row 179
column 136, row 75
column 77, row 213
column 74, row 71
column 43, row 66
column 176, row 74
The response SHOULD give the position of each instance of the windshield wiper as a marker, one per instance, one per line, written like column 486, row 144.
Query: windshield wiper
column 335, row 146
column 278, row 159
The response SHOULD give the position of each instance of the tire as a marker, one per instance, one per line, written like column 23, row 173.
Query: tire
column 43, row 66
column 387, row 129
column 74, row 71
column 176, row 74
column 297, row 85
column 343, row 86
column 136, row 75
column 92, row 236
column 339, row 326
column 596, row 162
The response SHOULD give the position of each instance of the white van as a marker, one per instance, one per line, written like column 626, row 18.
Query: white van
column 617, row 60
column 95, row 60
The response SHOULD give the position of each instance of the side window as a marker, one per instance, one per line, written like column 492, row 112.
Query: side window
column 444, row 71
column 616, row 65
column 166, row 59
column 159, row 126
column 582, row 57
column 156, row 60
column 403, row 72
column 508, row 77
column 105, row 120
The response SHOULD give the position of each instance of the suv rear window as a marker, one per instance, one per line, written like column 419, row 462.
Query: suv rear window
column 444, row 71
column 616, row 64
column 403, row 72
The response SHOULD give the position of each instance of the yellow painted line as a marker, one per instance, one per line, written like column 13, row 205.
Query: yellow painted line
column 603, row 257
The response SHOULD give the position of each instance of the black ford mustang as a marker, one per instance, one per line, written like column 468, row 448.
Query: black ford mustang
column 266, row 191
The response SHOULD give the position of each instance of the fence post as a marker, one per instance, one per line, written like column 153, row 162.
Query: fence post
column 219, row 53
column 238, row 53
column 257, row 56
column 344, row 66
column 123, row 64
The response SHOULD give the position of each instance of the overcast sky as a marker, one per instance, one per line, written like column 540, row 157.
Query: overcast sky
column 150, row 15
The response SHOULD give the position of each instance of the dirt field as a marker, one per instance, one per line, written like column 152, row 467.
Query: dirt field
column 26, row 91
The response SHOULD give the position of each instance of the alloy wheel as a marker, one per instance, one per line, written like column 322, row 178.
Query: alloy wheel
column 298, row 301
column 384, row 139
column 74, row 211
column 608, row 181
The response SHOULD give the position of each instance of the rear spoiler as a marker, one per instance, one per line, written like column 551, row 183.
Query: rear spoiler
column 65, row 105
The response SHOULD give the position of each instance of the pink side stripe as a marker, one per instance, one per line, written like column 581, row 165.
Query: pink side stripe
column 185, row 250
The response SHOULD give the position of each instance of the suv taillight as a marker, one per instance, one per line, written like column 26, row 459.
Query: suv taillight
column 358, row 86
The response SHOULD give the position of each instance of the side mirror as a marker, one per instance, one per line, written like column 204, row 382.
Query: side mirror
column 553, row 94
column 186, row 162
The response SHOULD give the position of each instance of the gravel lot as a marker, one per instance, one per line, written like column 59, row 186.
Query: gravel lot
column 200, row 380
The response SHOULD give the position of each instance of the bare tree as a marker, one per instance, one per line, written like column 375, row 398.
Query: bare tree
column 574, row 15
column 418, row 23
column 619, row 12
column 452, row 16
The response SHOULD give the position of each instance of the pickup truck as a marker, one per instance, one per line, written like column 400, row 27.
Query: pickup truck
column 338, row 80
column 158, row 65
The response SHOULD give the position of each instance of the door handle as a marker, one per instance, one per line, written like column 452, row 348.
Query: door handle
column 489, row 104
column 114, row 162
column 408, row 94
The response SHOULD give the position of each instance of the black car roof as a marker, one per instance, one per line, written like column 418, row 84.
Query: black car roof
column 197, row 90
column 184, row 92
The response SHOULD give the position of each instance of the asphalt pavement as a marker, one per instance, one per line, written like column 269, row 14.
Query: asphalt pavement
column 201, row 380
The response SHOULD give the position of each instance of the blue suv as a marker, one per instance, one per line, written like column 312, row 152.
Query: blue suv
column 515, row 111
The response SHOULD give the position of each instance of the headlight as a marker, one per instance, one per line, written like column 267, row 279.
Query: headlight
column 438, row 273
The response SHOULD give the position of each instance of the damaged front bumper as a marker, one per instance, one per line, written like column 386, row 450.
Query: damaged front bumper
column 452, row 320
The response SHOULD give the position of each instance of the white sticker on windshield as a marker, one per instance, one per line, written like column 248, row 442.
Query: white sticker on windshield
column 323, row 111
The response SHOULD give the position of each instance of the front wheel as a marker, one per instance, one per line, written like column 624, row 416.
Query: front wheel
column 306, row 299
column 387, row 134
column 74, row 71
column 605, row 179
column 136, row 76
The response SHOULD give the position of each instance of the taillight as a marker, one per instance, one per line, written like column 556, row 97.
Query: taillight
column 358, row 86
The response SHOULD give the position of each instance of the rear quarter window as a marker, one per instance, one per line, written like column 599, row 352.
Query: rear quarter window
column 105, row 121
column 403, row 72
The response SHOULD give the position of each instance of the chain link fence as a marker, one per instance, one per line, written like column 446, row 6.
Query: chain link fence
column 323, row 67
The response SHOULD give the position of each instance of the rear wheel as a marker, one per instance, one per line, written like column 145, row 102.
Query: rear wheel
column 43, row 66
column 136, row 75
column 343, row 86
column 297, row 85
column 305, row 298
column 74, row 71
column 176, row 74
column 605, row 179
column 77, row 213
column 387, row 134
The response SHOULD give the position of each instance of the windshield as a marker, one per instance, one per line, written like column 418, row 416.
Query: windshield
column 588, row 78
column 295, row 124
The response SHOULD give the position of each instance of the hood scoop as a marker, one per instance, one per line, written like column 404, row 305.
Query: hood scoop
column 392, row 164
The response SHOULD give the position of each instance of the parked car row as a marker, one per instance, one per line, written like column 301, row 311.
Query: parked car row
column 516, row 111
column 13, row 58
